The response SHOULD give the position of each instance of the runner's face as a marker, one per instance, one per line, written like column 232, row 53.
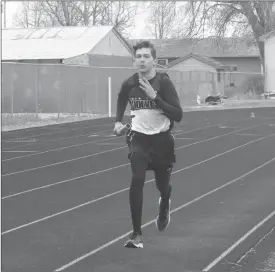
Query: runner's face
column 144, row 60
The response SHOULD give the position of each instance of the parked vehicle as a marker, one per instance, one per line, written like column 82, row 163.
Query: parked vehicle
column 269, row 95
column 214, row 99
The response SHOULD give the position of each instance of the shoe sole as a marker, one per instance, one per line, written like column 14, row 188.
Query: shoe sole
column 132, row 245
column 169, row 217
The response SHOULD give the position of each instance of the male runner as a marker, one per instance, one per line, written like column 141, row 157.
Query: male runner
column 154, row 107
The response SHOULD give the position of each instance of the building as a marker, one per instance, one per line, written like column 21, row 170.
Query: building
column 203, row 71
column 269, row 55
column 238, row 59
column 88, row 46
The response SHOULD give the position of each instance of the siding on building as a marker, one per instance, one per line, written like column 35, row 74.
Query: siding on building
column 36, row 61
column 270, row 64
column 244, row 64
column 110, row 61
column 82, row 60
column 237, row 82
column 197, row 76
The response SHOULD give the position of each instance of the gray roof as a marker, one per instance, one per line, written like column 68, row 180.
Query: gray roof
column 211, row 47
column 50, row 43
column 199, row 57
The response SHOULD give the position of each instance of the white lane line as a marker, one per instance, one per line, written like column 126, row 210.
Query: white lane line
column 87, row 143
column 238, row 242
column 18, row 151
column 58, row 139
column 228, row 127
column 60, row 148
column 110, row 144
column 248, row 134
column 78, row 158
column 125, row 189
column 61, row 131
column 20, row 141
column 64, row 181
column 89, row 254
column 62, row 162
column 177, row 138
column 254, row 247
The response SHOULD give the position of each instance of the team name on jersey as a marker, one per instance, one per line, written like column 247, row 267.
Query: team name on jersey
column 138, row 104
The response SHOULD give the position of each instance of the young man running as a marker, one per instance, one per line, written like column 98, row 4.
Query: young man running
column 154, row 108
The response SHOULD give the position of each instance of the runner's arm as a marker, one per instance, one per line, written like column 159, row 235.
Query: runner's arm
column 122, row 101
column 170, row 104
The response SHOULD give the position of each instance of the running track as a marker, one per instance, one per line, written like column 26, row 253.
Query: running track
column 65, row 196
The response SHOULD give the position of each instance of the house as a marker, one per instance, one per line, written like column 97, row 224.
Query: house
column 204, row 72
column 92, row 46
column 239, row 59
column 269, row 55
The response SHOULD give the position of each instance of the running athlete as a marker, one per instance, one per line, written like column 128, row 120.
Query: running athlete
column 155, row 106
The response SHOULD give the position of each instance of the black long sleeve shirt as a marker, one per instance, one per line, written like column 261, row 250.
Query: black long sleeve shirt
column 151, row 116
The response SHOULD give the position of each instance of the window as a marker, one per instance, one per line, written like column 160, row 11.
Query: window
column 163, row 62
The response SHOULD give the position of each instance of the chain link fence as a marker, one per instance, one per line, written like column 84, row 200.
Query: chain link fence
column 46, row 88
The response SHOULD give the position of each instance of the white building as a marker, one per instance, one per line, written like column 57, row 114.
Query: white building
column 269, row 49
column 68, row 45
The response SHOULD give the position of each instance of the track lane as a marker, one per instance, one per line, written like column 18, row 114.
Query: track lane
column 11, row 168
column 46, row 147
column 65, row 197
column 33, row 177
column 196, row 234
column 89, row 226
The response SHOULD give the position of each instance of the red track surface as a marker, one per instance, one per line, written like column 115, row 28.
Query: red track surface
column 65, row 197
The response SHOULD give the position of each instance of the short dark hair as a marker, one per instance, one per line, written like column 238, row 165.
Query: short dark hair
column 145, row 44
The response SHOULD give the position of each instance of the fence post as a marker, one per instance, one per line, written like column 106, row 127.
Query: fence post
column 97, row 110
column 14, row 77
column 58, row 92
column 36, row 92
column 109, row 97
column 12, row 95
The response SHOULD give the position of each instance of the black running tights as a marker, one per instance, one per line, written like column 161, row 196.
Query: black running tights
column 139, row 167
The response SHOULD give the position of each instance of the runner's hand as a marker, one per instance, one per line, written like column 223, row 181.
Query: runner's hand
column 120, row 128
column 147, row 88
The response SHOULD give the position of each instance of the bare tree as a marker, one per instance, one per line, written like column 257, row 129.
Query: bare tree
column 241, row 18
column 161, row 19
column 77, row 13
column 121, row 14
column 31, row 15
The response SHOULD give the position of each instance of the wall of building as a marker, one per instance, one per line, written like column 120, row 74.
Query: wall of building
column 238, row 83
column 110, row 45
column 37, row 61
column 270, row 64
column 82, row 60
column 193, row 77
column 110, row 61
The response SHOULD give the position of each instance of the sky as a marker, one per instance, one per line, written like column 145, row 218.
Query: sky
column 138, row 32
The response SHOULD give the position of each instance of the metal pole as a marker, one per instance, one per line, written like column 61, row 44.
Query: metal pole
column 36, row 92
column 109, row 97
